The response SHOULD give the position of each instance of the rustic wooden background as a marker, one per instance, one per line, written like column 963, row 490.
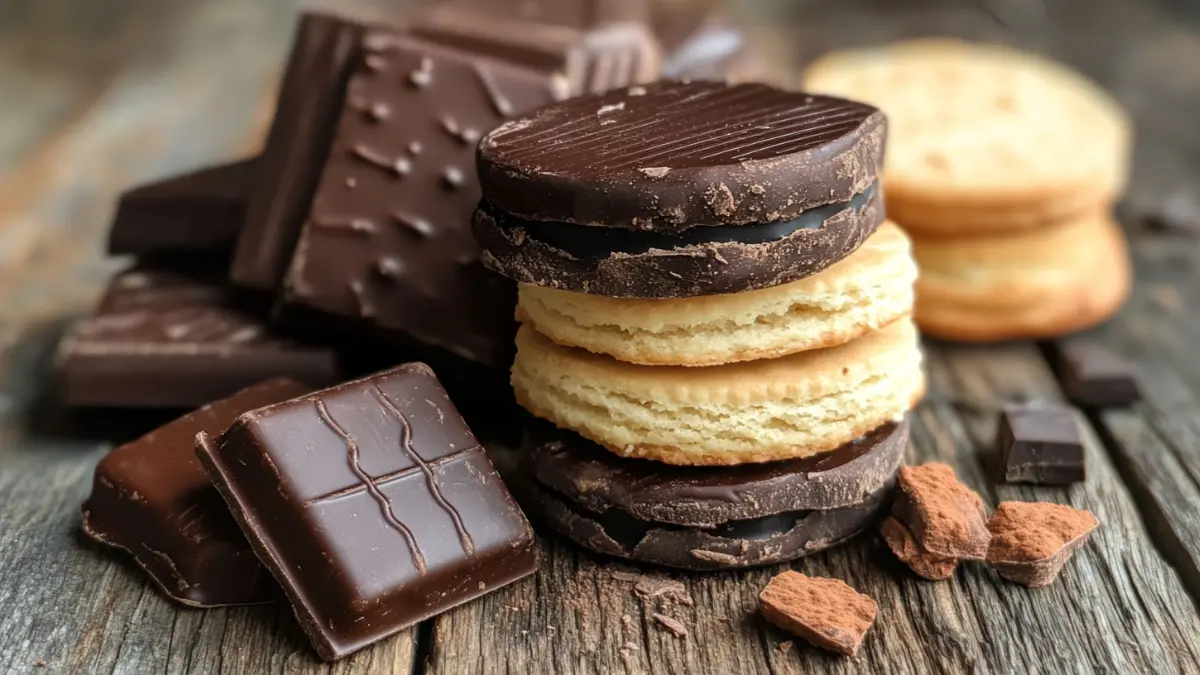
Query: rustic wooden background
column 96, row 95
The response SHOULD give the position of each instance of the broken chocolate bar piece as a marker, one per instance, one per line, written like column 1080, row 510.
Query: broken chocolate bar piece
column 373, row 505
column 388, row 242
column 826, row 612
column 197, row 212
column 165, row 339
column 324, row 53
column 947, row 518
column 152, row 499
column 1094, row 376
column 911, row 553
column 1041, row 443
column 1032, row 541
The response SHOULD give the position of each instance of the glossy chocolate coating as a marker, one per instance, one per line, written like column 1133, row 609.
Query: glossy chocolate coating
column 372, row 504
column 599, row 481
column 197, row 212
column 671, row 156
column 324, row 53
column 709, row 518
column 388, row 242
column 152, row 499
column 165, row 339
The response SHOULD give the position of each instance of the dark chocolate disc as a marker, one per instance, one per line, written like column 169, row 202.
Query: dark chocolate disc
column 709, row 517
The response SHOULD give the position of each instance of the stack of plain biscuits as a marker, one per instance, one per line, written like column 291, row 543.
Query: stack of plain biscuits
column 1004, row 168
column 711, row 302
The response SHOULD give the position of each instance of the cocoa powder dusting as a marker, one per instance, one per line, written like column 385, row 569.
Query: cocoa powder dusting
column 826, row 612
column 1031, row 531
column 946, row 517
column 921, row 562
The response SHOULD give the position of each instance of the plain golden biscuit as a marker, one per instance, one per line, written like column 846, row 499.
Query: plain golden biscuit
column 983, row 137
column 1036, row 284
column 866, row 291
column 755, row 411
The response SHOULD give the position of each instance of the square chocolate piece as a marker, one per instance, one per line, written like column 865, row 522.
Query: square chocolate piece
column 388, row 241
column 167, row 339
column 373, row 505
column 1094, row 376
column 152, row 499
column 1041, row 443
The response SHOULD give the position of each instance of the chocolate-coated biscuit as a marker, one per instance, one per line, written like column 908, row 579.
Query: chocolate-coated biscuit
column 679, row 189
column 708, row 519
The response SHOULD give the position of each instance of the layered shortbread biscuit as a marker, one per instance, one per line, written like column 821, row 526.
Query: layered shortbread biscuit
column 868, row 290
column 755, row 411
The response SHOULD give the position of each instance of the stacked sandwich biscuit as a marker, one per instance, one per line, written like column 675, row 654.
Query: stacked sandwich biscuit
column 715, row 317
column 1004, row 168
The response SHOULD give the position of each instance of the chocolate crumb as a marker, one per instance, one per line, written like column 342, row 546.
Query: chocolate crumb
column 1032, row 541
column 40, row 663
column 825, row 612
column 784, row 647
column 671, row 624
column 714, row 556
column 656, row 171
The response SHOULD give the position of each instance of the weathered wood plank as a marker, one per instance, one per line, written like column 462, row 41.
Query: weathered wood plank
column 574, row 616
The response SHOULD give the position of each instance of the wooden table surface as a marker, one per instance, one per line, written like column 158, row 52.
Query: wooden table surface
column 97, row 95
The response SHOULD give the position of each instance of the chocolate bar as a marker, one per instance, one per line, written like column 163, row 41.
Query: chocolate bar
column 197, row 212
column 1041, row 443
column 152, row 499
column 373, row 505
column 388, row 240
column 1096, row 377
column 164, row 339
column 323, row 55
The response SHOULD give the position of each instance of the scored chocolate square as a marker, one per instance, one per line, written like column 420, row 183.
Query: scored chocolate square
column 1041, row 443
column 373, row 505
column 388, row 239
column 164, row 339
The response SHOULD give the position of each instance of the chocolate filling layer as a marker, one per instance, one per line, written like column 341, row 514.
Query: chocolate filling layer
column 597, row 243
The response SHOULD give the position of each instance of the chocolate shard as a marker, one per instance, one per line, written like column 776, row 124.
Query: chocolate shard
column 1094, row 376
column 1032, row 541
column 827, row 613
column 152, row 499
column 946, row 517
column 1041, row 443
column 197, row 212
column 165, row 339
column 911, row 553
column 324, row 53
column 373, row 505
column 387, row 243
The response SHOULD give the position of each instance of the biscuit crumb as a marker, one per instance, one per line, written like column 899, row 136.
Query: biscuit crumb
column 671, row 624
column 606, row 109
column 825, row 612
column 656, row 171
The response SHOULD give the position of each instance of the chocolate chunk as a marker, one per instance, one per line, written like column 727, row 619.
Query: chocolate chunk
column 1094, row 376
column 1031, row 542
column 946, row 518
column 152, row 499
column 1040, row 443
column 162, row 339
column 911, row 553
column 704, row 518
column 680, row 189
column 372, row 504
column 197, row 212
column 827, row 613
column 577, row 14
column 324, row 53
column 598, row 480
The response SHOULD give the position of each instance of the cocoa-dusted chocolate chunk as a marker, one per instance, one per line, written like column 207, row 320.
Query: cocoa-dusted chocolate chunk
column 947, row 518
column 177, row 339
column 1041, row 443
column 197, row 212
column 704, row 518
column 324, row 52
column 1032, row 541
column 152, row 499
column 678, row 189
column 911, row 553
column 1094, row 376
column 372, row 504
column 827, row 613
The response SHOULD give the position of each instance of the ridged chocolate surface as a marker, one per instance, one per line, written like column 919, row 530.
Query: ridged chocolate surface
column 674, row 155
